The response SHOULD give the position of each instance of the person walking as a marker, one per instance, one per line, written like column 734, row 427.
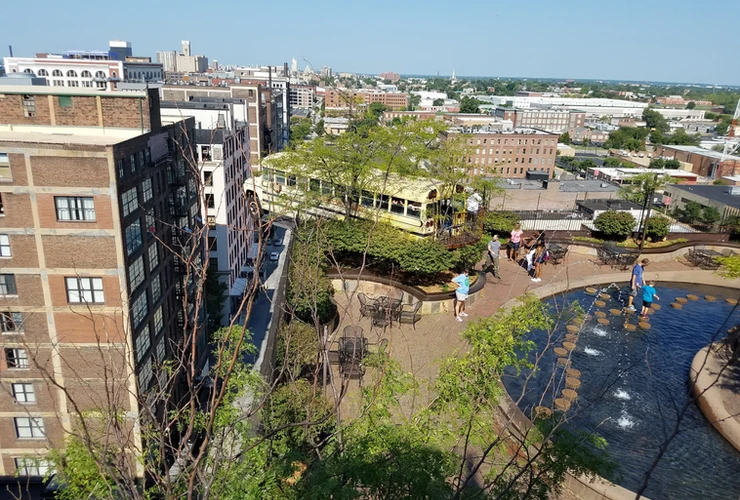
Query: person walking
column 540, row 255
column 461, row 294
column 514, row 242
column 494, row 247
column 648, row 292
column 636, row 281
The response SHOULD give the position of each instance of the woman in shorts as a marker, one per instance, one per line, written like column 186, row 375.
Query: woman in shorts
column 514, row 242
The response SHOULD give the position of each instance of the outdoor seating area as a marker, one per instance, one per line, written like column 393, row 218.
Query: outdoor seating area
column 557, row 253
column 705, row 258
column 384, row 310
column 617, row 258
column 352, row 350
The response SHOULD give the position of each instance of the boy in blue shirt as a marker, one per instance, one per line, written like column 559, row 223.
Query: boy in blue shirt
column 648, row 292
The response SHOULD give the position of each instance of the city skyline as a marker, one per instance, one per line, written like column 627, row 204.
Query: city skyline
column 637, row 43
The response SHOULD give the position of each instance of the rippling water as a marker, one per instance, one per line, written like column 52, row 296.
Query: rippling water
column 633, row 381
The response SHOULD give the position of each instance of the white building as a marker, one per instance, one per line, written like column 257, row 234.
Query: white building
column 222, row 138
column 168, row 60
column 681, row 114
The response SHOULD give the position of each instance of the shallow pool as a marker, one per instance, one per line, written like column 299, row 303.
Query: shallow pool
column 632, row 383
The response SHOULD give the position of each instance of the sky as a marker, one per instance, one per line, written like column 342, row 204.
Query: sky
column 651, row 40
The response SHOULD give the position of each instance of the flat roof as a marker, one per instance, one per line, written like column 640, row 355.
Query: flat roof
column 628, row 172
column 720, row 194
column 44, row 90
column 703, row 152
column 609, row 204
column 90, row 136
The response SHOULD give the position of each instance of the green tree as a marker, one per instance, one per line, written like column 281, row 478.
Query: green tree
column 710, row 215
column 614, row 224
column 564, row 138
column 215, row 299
column 318, row 129
column 426, row 258
column 657, row 137
column 641, row 187
column 691, row 212
column 500, row 223
column 658, row 227
column 438, row 102
column 299, row 130
column 612, row 162
column 469, row 255
column 672, row 164
column 469, row 105
column 657, row 163
column 691, row 105
column 654, row 120
column 377, row 109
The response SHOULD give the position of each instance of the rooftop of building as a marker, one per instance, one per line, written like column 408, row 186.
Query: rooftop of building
column 703, row 152
column 8, row 86
column 88, row 136
column 485, row 129
column 194, row 105
column 720, row 194
column 609, row 204
column 567, row 186
column 629, row 172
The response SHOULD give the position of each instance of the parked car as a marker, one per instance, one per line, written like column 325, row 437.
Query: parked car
column 274, row 256
column 268, row 241
column 278, row 242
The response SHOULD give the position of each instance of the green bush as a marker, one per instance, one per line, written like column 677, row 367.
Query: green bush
column 615, row 224
column 469, row 255
column 710, row 215
column 426, row 257
column 501, row 222
column 657, row 227
column 297, row 347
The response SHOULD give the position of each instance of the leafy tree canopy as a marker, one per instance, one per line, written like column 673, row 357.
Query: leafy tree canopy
column 615, row 224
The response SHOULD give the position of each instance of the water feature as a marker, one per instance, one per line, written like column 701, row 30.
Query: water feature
column 631, row 383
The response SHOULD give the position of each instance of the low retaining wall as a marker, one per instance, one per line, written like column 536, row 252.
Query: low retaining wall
column 654, row 254
column 370, row 284
column 580, row 486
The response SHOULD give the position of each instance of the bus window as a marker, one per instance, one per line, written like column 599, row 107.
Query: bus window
column 280, row 177
column 398, row 205
column 367, row 199
column 326, row 189
column 383, row 202
column 292, row 180
column 314, row 185
column 414, row 210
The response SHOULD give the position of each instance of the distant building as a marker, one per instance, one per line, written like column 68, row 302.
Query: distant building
column 523, row 194
column 343, row 99
column 625, row 175
column 302, row 96
column 326, row 72
column 100, row 70
column 168, row 60
column 678, row 100
column 518, row 153
column 393, row 77
column 592, row 208
column 726, row 199
column 681, row 114
column 581, row 134
column 549, row 120
column 388, row 116
column 336, row 126
column 704, row 162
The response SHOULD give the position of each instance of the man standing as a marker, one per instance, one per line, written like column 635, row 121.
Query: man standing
column 461, row 294
column 636, row 282
column 494, row 247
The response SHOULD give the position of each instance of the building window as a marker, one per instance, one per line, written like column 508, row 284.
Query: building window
column 29, row 106
column 85, row 290
column 130, row 201
column 57, row 72
column 133, row 237
column 65, row 101
column 71, row 83
column 160, row 349
column 132, row 160
column 4, row 245
column 29, row 427
column 143, row 342
column 32, row 467
column 153, row 257
column 147, row 191
column 23, row 393
column 145, row 376
column 11, row 322
column 16, row 358
column 74, row 208
column 99, row 74
column 43, row 72
column 158, row 320
column 139, row 309
column 136, row 274
column 86, row 74
column 58, row 83
column 87, row 84
column 7, row 284
column 156, row 289
column 100, row 85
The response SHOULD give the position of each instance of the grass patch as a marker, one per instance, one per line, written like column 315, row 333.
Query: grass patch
column 588, row 239
column 652, row 244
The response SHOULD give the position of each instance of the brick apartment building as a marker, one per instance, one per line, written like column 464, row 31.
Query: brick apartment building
column 549, row 120
column 342, row 99
column 93, row 189
column 704, row 162
column 391, row 76
column 388, row 116
column 514, row 153
column 263, row 109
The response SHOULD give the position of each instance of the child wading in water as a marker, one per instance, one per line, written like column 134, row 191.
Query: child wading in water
column 648, row 292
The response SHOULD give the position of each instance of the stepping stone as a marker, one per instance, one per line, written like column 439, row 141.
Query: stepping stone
column 691, row 296
column 628, row 312
column 676, row 305
column 600, row 314
column 681, row 300
column 560, row 352
column 731, row 301
column 572, row 328
column 562, row 404
column 542, row 412
column 630, row 327
column 656, row 306
column 650, row 310
column 572, row 383
column 710, row 298
column 603, row 321
column 572, row 372
column 571, row 337
column 644, row 325
column 570, row 394
column 615, row 312
column 569, row 345
column 599, row 303
column 591, row 289
column 563, row 361
column 605, row 296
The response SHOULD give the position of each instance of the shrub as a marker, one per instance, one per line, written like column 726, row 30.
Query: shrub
column 426, row 257
column 501, row 222
column 710, row 215
column 469, row 255
column 615, row 224
column 657, row 227
column 297, row 347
